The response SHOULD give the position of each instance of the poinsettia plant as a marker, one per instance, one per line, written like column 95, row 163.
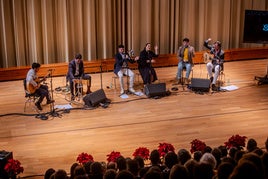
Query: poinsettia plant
column 164, row 148
column 13, row 167
column 236, row 141
column 84, row 158
column 197, row 145
column 142, row 152
column 113, row 156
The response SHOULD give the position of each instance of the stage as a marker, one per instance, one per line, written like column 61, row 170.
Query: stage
column 137, row 121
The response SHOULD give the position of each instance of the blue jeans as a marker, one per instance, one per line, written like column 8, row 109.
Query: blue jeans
column 182, row 65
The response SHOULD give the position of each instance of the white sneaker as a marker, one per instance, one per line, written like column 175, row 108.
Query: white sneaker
column 131, row 90
column 122, row 91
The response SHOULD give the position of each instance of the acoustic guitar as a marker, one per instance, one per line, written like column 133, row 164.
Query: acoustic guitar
column 30, row 87
column 207, row 57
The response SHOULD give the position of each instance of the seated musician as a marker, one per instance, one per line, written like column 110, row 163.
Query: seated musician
column 216, row 63
column 145, row 61
column 121, row 68
column 76, row 71
column 34, row 86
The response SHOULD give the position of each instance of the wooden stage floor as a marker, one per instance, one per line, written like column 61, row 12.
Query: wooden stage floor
column 134, row 122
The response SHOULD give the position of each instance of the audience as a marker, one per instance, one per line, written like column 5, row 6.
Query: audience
column 216, row 163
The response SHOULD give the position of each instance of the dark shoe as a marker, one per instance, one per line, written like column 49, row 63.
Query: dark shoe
column 72, row 98
column 50, row 101
column 37, row 104
column 211, row 79
column 179, row 80
column 214, row 88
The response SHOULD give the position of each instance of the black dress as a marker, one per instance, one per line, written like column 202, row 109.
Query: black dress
column 145, row 67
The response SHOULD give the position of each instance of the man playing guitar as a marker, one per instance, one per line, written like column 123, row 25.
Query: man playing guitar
column 34, row 86
column 216, row 63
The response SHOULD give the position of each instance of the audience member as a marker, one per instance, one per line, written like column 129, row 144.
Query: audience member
column 224, row 170
column 109, row 174
column 48, row 173
column 183, row 156
column 251, row 145
column 179, row 171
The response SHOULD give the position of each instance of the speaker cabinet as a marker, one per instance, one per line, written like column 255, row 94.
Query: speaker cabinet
column 202, row 85
column 93, row 99
column 4, row 157
column 152, row 90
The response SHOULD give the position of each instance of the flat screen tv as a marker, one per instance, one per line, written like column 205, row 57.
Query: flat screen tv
column 256, row 26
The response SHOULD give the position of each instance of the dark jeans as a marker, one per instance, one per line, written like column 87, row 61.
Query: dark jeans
column 43, row 92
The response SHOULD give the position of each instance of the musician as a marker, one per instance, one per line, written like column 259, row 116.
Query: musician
column 76, row 71
column 145, row 61
column 185, row 55
column 33, row 83
column 121, row 68
column 216, row 63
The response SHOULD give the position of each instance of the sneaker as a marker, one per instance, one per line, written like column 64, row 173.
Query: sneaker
column 50, row 101
column 37, row 104
column 132, row 90
column 122, row 91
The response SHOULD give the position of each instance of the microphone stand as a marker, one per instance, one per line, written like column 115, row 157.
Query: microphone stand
column 52, row 112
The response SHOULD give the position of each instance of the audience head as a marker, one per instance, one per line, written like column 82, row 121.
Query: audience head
column 183, row 156
column 232, row 152
column 79, row 170
column 111, row 165
column 109, row 174
column 224, row 151
column 60, row 174
column 121, row 163
column 208, row 158
column 191, row 165
column 155, row 157
column 264, row 159
column 207, row 149
column 224, row 170
column 124, row 174
column 245, row 169
column 238, row 155
column 48, row 173
column 251, row 145
column 133, row 167
column 87, row 166
column 217, row 154
column 197, row 155
column 153, row 173
column 96, row 168
column 140, row 161
column 203, row 171
column 171, row 159
column 179, row 171
column 74, row 165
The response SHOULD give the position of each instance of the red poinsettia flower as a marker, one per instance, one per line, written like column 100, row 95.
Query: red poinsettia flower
column 13, row 167
column 236, row 141
column 84, row 158
column 197, row 145
column 164, row 148
column 143, row 152
column 113, row 156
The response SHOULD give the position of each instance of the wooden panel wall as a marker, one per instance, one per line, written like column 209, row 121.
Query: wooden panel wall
column 104, row 65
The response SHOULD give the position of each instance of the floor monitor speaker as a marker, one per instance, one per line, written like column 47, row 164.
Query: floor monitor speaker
column 158, row 89
column 94, row 98
column 198, row 84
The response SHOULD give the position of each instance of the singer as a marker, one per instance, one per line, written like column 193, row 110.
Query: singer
column 216, row 65
column 121, row 68
column 145, row 67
